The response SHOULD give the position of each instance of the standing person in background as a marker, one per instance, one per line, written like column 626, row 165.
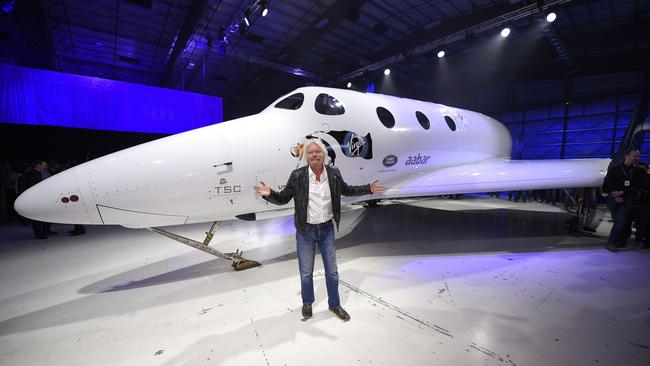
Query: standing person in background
column 642, row 214
column 9, row 178
column 618, row 186
column 30, row 179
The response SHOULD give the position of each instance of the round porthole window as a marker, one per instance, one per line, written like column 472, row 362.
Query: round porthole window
column 424, row 121
column 450, row 123
column 328, row 105
column 385, row 117
column 293, row 101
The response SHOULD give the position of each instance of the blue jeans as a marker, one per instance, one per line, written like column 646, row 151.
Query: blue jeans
column 620, row 213
column 322, row 236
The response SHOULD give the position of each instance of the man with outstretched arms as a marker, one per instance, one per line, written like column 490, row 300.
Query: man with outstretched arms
column 316, row 190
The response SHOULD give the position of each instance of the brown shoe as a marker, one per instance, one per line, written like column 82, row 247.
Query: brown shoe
column 342, row 314
column 306, row 311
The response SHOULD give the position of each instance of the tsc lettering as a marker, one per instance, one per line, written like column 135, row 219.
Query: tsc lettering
column 228, row 189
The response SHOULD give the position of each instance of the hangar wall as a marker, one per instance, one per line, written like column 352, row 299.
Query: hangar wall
column 577, row 117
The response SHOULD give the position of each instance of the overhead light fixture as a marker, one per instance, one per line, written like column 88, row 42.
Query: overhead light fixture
column 247, row 14
column 441, row 54
column 264, row 5
column 349, row 84
column 505, row 32
column 386, row 72
column 298, row 71
column 551, row 16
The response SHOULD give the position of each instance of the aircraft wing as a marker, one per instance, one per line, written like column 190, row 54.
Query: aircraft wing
column 499, row 175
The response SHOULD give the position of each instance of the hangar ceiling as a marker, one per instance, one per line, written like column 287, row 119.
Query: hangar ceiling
column 203, row 46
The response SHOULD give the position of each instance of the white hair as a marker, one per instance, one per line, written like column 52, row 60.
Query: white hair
column 319, row 143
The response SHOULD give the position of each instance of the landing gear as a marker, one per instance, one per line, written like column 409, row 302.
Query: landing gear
column 210, row 233
column 371, row 203
column 239, row 263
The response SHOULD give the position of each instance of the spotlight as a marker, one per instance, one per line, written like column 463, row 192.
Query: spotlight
column 387, row 72
column 264, row 5
column 550, row 17
column 505, row 32
column 349, row 84
column 247, row 14
column 441, row 54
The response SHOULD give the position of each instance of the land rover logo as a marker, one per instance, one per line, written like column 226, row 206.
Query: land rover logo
column 390, row 160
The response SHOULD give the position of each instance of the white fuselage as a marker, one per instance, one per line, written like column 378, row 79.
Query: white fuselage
column 208, row 174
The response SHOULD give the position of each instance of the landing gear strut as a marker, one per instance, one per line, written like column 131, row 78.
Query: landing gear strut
column 239, row 263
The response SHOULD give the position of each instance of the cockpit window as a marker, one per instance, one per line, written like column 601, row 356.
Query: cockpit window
column 328, row 105
column 294, row 101
column 424, row 121
column 385, row 117
column 450, row 123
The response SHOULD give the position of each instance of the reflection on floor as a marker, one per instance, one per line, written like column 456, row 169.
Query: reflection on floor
column 434, row 282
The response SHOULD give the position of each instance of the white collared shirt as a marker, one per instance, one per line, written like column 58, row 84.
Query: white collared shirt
column 319, row 209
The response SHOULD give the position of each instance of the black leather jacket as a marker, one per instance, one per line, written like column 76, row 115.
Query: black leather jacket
column 634, row 194
column 298, row 188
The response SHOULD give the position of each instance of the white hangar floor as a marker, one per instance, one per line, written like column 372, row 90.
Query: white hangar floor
column 437, row 282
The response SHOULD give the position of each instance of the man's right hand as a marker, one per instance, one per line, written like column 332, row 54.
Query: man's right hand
column 618, row 196
column 263, row 190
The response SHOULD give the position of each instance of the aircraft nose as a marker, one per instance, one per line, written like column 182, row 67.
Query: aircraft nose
column 59, row 199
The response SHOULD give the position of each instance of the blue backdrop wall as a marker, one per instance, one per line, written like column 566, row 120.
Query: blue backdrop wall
column 39, row 97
